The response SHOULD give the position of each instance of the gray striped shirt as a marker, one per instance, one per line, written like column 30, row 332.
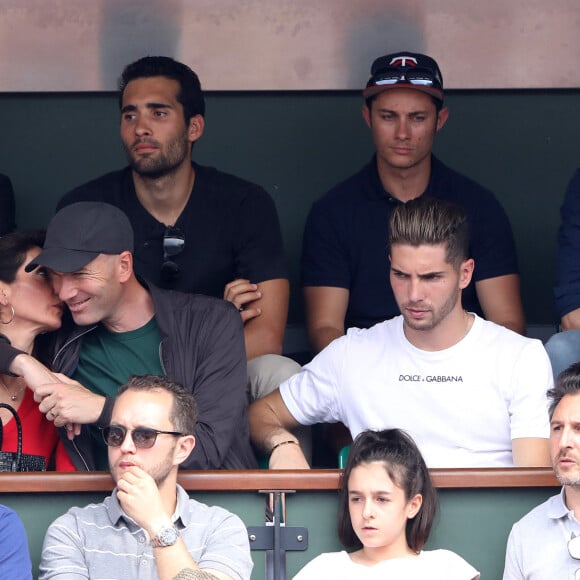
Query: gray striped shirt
column 100, row 542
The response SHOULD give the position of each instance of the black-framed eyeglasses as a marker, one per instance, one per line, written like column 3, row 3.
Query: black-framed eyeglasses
column 413, row 76
column 143, row 437
column 173, row 244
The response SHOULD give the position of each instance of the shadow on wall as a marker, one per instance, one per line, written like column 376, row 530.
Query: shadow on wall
column 132, row 29
column 386, row 27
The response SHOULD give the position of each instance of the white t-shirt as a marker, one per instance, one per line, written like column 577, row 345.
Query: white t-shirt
column 434, row 565
column 462, row 405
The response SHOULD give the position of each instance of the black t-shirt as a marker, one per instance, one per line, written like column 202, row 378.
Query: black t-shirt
column 346, row 239
column 230, row 226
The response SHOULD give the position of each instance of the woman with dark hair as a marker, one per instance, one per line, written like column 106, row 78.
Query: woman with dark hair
column 28, row 307
column 387, row 506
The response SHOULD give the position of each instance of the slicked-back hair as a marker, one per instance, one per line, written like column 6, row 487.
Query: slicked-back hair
column 183, row 414
column 406, row 467
column 567, row 383
column 431, row 221
column 13, row 249
column 190, row 94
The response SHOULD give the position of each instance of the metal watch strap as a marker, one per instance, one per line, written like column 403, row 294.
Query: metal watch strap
column 166, row 536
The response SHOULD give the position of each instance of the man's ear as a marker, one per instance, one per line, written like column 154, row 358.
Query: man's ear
column 366, row 113
column 442, row 117
column 195, row 128
column 184, row 448
column 466, row 272
column 125, row 265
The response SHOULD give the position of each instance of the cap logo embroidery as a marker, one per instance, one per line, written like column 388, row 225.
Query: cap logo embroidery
column 404, row 61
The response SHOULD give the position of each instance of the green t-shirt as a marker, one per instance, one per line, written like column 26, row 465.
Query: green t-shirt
column 108, row 359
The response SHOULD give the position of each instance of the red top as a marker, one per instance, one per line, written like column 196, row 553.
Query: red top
column 39, row 435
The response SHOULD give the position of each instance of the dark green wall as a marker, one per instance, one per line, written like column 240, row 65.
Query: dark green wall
column 524, row 145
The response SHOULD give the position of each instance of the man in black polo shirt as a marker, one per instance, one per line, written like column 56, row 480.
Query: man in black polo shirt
column 196, row 229
column 346, row 282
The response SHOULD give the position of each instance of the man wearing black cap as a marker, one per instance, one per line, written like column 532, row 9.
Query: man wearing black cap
column 123, row 327
column 344, row 262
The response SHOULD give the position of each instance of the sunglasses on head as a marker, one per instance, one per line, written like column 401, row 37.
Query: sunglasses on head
column 143, row 437
column 413, row 76
column 173, row 244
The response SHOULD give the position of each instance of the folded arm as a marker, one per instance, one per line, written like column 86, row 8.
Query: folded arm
column 571, row 321
column 264, row 309
column 530, row 452
column 501, row 301
column 325, row 313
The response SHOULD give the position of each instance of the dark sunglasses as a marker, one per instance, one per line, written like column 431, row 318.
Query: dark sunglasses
column 173, row 244
column 413, row 76
column 143, row 437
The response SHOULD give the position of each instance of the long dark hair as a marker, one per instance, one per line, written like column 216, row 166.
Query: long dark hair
column 406, row 467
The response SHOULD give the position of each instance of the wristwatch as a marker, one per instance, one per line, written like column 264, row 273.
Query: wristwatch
column 167, row 536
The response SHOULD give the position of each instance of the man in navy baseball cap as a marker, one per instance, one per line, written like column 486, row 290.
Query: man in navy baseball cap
column 409, row 70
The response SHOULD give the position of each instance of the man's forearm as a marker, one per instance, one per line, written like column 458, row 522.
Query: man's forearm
column 571, row 321
column 531, row 452
column 320, row 338
column 270, row 426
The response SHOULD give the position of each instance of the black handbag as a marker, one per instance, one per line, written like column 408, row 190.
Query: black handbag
column 10, row 461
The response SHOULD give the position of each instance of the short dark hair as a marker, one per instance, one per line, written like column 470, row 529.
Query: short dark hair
column 190, row 94
column 183, row 414
column 430, row 221
column 406, row 467
column 567, row 383
column 13, row 249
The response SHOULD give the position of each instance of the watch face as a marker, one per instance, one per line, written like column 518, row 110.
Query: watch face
column 166, row 537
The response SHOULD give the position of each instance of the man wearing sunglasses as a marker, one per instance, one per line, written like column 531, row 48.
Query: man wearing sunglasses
column 344, row 277
column 123, row 326
column 197, row 229
column 148, row 527
column 545, row 543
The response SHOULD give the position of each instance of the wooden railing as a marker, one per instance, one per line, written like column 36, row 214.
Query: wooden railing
column 321, row 479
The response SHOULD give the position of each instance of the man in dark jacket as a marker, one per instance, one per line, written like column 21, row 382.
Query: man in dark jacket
column 121, row 327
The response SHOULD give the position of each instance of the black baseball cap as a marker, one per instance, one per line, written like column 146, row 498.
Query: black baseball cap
column 79, row 232
column 405, row 70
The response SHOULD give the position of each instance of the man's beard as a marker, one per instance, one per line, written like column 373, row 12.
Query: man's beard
column 437, row 316
column 159, row 472
column 572, row 480
column 160, row 164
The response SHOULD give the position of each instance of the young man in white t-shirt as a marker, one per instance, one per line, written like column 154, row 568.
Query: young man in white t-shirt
column 470, row 392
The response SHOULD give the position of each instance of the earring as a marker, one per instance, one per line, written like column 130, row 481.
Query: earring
column 12, row 313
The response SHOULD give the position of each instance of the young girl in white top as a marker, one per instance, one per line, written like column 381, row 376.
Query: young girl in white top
column 387, row 506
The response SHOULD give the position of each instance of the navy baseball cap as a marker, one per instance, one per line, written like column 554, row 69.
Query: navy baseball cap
column 405, row 70
column 79, row 232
